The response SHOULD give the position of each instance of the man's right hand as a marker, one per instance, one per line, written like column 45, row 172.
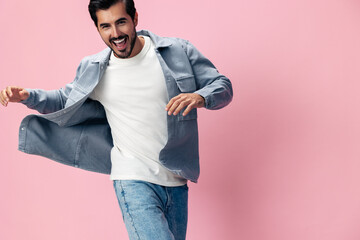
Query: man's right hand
column 13, row 94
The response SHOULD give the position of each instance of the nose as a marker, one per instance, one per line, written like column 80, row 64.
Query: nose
column 115, row 32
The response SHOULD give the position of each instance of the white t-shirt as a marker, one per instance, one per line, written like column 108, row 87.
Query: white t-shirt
column 133, row 93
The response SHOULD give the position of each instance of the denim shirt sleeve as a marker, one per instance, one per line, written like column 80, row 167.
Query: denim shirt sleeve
column 49, row 101
column 215, row 88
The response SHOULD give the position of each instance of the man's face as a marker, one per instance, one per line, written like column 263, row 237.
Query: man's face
column 117, row 30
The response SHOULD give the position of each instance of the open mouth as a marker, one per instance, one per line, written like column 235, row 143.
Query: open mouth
column 120, row 44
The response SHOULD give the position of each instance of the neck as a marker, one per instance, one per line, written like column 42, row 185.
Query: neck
column 139, row 44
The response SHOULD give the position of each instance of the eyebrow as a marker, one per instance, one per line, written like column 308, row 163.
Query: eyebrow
column 121, row 19
column 107, row 24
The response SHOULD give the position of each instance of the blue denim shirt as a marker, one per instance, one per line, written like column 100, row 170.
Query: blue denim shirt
column 73, row 129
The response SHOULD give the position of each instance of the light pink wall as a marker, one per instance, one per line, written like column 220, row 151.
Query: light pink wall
column 281, row 162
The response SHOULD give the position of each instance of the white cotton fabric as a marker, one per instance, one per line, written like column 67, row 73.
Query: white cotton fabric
column 133, row 93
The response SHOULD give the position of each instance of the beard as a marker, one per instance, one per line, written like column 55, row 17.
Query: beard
column 125, row 53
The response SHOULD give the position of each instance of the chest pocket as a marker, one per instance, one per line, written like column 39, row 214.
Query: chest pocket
column 186, row 84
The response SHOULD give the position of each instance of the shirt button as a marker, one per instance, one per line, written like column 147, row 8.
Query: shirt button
column 22, row 129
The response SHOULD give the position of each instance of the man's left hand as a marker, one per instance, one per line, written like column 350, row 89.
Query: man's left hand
column 188, row 100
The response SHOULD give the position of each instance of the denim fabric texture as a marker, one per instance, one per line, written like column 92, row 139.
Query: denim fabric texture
column 152, row 211
column 73, row 129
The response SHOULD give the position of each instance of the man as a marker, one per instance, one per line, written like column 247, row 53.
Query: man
column 130, row 112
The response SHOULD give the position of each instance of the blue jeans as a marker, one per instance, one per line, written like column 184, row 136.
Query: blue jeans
column 153, row 212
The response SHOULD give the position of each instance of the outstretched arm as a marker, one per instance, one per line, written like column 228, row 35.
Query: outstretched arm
column 44, row 101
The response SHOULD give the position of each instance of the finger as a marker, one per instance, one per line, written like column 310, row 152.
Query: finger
column 174, row 102
column 4, row 97
column 171, row 102
column 2, row 101
column 9, row 91
column 175, row 105
column 190, row 107
column 181, row 105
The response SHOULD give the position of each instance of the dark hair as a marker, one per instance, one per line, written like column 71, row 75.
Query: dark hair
column 96, row 5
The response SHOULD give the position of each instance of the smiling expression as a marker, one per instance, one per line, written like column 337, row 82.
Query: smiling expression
column 117, row 30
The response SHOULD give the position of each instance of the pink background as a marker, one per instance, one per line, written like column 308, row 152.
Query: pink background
column 281, row 162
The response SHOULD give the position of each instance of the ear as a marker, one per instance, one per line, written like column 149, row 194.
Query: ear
column 136, row 19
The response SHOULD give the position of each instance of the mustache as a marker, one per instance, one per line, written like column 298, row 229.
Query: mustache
column 118, row 38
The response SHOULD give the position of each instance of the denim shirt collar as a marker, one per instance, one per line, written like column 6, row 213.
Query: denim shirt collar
column 159, row 42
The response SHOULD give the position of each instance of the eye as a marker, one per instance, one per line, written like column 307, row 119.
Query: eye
column 104, row 26
column 121, row 22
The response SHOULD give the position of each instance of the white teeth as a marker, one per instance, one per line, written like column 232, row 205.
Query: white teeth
column 119, row 41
